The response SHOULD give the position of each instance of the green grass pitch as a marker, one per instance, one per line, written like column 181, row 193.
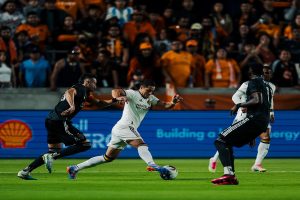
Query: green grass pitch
column 127, row 179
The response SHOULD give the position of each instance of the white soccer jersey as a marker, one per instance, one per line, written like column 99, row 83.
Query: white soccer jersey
column 136, row 108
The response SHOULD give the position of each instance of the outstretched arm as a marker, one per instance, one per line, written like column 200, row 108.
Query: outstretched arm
column 169, row 105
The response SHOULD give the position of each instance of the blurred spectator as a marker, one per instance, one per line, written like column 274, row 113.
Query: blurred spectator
column 67, row 71
column 182, row 28
column 195, row 32
column 245, row 36
column 156, row 21
column 290, row 13
column 72, row 7
column 210, row 38
column 246, row 15
column 147, row 62
column 295, row 24
column 92, row 24
column 105, row 70
column 23, row 45
column 8, row 46
column 248, row 56
column 222, row 20
column 198, row 62
column 177, row 65
column 293, row 45
column 275, row 13
column 285, row 73
column 116, row 45
column 99, row 3
column 7, row 75
column 10, row 16
column 121, row 11
column 38, row 33
column 265, row 24
column 188, row 10
column 88, row 51
column 163, row 43
column 137, row 25
column 169, row 17
column 66, row 36
column 265, row 50
column 34, row 72
column 32, row 6
column 221, row 71
column 137, row 79
column 52, row 16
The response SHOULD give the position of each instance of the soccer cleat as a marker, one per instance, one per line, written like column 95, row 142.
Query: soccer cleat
column 71, row 170
column 25, row 175
column 153, row 167
column 258, row 168
column 48, row 160
column 226, row 179
column 212, row 165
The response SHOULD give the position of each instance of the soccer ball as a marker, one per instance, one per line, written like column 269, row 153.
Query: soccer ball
column 170, row 174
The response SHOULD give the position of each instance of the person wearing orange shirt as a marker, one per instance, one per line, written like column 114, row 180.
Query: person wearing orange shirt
column 177, row 65
column 71, row 7
column 288, row 31
column 137, row 25
column 221, row 71
column 38, row 33
column 198, row 62
column 265, row 24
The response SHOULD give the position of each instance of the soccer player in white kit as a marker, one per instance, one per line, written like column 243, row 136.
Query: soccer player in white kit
column 239, row 97
column 125, row 132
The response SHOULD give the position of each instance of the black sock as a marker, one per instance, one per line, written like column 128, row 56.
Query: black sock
column 35, row 164
column 226, row 154
column 72, row 150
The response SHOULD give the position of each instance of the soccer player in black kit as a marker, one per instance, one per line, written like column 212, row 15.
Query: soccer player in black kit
column 59, row 126
column 245, row 131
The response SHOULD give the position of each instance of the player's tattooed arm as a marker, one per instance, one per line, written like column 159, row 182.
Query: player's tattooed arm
column 69, row 95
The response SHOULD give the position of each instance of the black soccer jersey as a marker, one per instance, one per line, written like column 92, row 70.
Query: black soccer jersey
column 261, row 110
column 63, row 105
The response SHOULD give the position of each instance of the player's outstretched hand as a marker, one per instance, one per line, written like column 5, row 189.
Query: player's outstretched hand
column 177, row 98
column 121, row 99
column 69, row 111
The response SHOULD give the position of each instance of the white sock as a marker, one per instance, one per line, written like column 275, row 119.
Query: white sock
column 216, row 156
column 262, row 151
column 228, row 170
column 145, row 155
column 91, row 162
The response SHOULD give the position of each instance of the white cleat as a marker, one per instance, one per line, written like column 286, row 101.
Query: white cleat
column 48, row 160
column 25, row 175
column 258, row 168
column 212, row 165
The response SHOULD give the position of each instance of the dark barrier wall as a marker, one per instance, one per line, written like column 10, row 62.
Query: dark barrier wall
column 169, row 134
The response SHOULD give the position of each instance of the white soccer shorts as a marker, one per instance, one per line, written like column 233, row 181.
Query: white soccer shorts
column 120, row 134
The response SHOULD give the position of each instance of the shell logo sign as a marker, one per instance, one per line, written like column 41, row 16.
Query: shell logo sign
column 14, row 134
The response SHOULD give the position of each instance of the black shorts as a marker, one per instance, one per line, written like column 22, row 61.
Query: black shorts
column 63, row 132
column 244, row 131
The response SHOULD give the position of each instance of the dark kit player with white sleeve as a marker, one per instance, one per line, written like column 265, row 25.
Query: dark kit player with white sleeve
column 245, row 131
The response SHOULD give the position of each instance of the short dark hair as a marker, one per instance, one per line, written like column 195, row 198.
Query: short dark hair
column 257, row 69
column 86, row 76
column 147, row 83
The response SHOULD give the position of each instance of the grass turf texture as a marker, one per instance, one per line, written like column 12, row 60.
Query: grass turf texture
column 127, row 179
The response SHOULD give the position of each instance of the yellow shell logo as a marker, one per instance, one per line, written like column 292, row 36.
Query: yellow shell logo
column 14, row 134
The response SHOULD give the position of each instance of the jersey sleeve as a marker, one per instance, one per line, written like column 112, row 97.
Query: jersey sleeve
column 240, row 95
column 153, row 100
column 130, row 94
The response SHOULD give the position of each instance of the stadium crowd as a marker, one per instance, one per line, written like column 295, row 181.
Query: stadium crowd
column 189, row 43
